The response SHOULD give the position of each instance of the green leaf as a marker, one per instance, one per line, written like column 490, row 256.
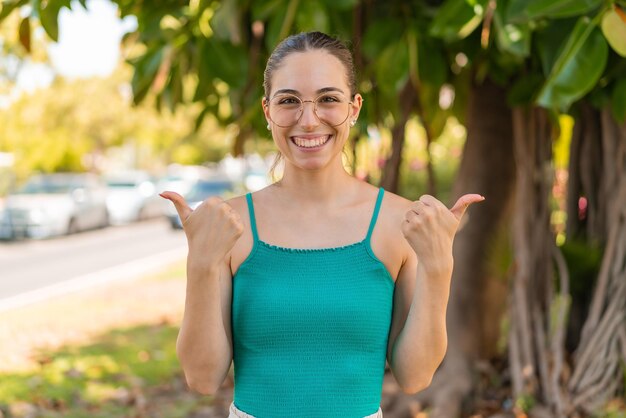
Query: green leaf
column 560, row 8
column 510, row 37
column 146, row 68
column 578, row 67
column 618, row 101
column 227, row 61
column 524, row 89
column 262, row 10
column 205, row 87
column 8, row 6
column 172, row 93
column 524, row 10
column 550, row 41
column 379, row 35
column 312, row 15
column 341, row 4
column 392, row 67
column 49, row 17
column 274, row 26
column 225, row 20
column 456, row 19
column 514, row 11
column 432, row 65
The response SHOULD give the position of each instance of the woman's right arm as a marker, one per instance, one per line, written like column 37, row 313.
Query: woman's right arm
column 204, row 344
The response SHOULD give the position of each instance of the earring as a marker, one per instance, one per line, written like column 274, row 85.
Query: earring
column 268, row 127
column 353, row 122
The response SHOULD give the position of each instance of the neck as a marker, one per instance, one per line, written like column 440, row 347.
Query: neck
column 315, row 187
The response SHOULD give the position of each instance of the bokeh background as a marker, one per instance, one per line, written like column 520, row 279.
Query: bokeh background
column 104, row 104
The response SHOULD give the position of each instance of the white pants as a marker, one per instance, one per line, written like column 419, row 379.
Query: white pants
column 235, row 412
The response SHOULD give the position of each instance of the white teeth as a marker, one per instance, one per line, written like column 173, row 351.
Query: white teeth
column 310, row 143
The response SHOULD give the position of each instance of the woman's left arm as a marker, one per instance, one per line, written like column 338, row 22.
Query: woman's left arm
column 418, row 338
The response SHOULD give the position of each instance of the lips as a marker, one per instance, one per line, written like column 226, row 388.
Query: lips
column 310, row 142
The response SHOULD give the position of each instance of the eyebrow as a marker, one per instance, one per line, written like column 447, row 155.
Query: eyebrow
column 296, row 92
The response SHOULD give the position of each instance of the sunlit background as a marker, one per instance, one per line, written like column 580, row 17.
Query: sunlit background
column 104, row 104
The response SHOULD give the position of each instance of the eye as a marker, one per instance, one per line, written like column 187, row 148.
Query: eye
column 329, row 99
column 287, row 100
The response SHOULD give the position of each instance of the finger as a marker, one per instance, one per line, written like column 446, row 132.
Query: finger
column 181, row 206
column 464, row 201
column 433, row 202
column 428, row 200
column 417, row 207
column 411, row 216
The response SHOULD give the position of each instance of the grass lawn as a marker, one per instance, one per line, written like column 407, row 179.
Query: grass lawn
column 104, row 352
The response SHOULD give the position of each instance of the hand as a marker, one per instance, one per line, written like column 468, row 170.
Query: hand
column 429, row 227
column 211, row 229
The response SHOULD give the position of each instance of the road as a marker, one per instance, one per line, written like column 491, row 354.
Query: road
column 31, row 270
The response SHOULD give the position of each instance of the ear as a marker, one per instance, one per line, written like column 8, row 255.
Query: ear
column 264, row 104
column 357, row 103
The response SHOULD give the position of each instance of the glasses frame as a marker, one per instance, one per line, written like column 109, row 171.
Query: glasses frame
column 302, row 102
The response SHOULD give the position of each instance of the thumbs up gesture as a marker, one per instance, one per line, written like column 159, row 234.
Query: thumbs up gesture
column 211, row 229
column 429, row 227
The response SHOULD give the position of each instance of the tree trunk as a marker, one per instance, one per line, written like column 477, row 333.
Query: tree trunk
column 539, row 302
column 538, row 316
column 585, row 175
column 391, row 171
column 488, row 168
column 599, row 358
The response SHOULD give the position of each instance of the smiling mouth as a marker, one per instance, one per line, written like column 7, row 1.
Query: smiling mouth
column 310, row 142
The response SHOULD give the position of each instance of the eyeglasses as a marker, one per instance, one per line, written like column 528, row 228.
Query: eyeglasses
column 285, row 110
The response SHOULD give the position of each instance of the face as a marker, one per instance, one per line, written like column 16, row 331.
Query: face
column 312, row 142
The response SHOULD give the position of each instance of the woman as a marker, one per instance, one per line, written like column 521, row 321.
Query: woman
column 311, row 283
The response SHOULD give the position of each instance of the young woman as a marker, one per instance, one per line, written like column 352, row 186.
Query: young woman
column 310, row 284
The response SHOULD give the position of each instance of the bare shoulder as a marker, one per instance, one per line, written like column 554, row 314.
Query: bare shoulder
column 243, row 246
column 239, row 204
column 396, row 203
column 388, row 241
column 393, row 211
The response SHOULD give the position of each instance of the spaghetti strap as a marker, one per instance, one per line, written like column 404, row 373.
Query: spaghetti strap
column 255, row 235
column 379, row 200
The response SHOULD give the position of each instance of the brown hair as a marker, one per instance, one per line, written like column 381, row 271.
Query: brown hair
column 307, row 41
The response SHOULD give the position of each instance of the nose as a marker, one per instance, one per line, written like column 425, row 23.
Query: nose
column 308, row 118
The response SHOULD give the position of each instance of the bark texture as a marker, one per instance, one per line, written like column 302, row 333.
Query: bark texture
column 578, row 385
column 488, row 168
column 600, row 357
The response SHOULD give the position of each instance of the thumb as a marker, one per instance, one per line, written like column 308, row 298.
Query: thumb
column 182, row 207
column 464, row 201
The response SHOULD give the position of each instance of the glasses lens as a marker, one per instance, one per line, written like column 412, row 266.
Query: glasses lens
column 332, row 109
column 286, row 110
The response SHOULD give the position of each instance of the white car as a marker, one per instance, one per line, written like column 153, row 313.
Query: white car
column 54, row 204
column 132, row 196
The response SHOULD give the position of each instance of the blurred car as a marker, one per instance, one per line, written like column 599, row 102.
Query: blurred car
column 54, row 204
column 181, row 178
column 132, row 196
column 199, row 192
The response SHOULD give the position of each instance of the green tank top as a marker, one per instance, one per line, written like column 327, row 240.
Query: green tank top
column 310, row 329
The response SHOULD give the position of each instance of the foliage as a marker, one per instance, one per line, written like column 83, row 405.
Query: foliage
column 212, row 53
column 583, row 262
column 66, row 128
